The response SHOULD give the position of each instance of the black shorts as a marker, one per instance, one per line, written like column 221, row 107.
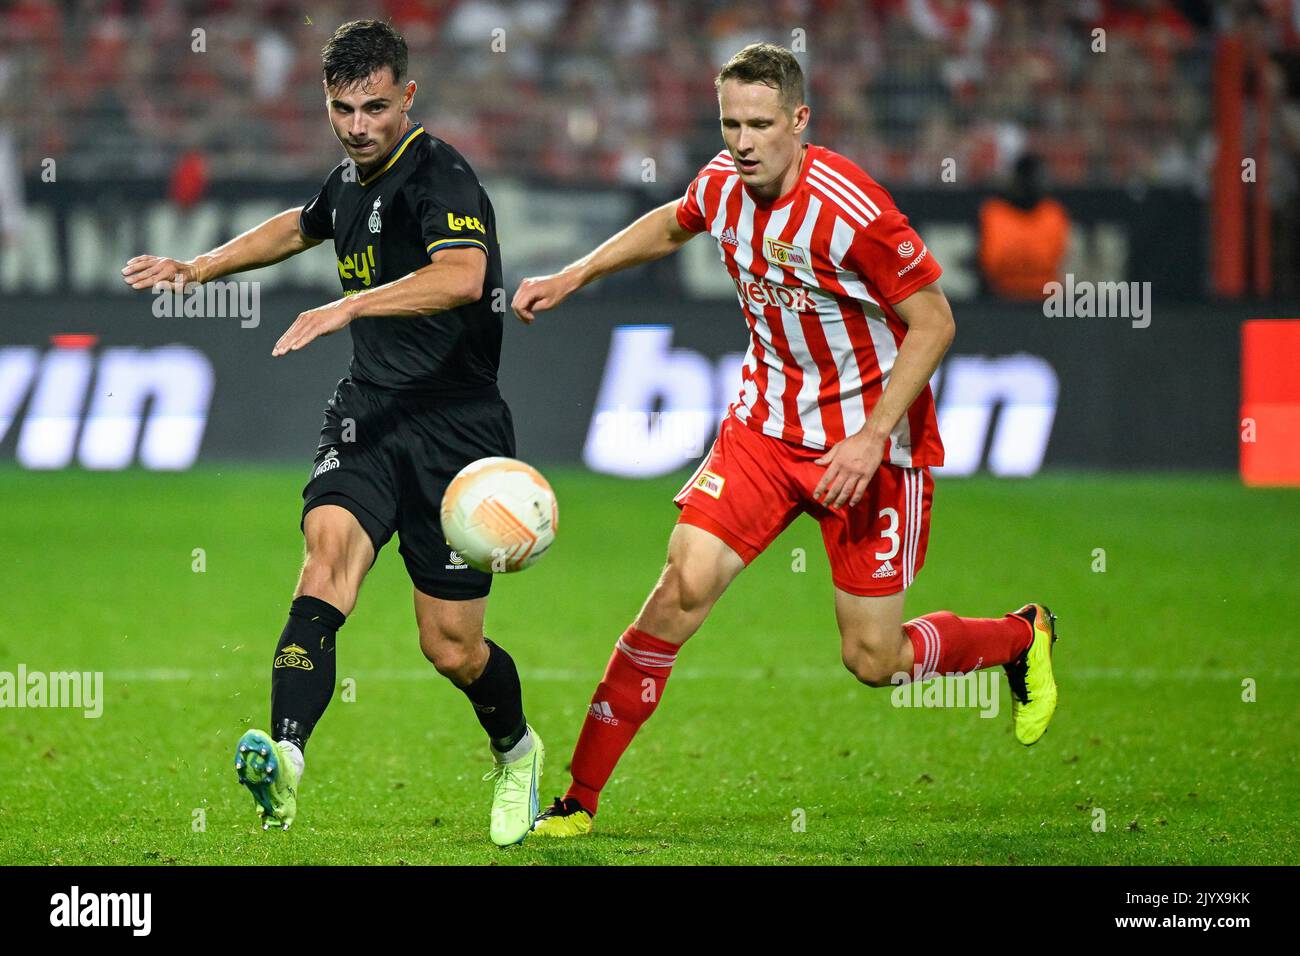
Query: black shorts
column 387, row 457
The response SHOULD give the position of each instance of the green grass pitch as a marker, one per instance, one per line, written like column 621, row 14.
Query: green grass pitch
column 760, row 726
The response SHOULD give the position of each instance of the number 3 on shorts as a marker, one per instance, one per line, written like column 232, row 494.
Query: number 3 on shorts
column 891, row 533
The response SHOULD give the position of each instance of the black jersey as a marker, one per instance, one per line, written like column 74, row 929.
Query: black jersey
column 421, row 198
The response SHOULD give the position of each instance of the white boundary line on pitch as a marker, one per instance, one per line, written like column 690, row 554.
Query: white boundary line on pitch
column 166, row 674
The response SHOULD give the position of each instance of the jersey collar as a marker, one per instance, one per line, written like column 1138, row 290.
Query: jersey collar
column 394, row 154
column 806, row 155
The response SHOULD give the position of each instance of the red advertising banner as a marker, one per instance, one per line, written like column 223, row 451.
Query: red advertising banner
column 1270, row 402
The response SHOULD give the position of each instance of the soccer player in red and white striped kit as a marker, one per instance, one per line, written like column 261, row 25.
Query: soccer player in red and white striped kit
column 835, row 419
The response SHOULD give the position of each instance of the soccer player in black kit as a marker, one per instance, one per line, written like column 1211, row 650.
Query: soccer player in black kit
column 416, row 242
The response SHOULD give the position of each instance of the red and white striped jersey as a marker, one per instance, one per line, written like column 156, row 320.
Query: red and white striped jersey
column 817, row 272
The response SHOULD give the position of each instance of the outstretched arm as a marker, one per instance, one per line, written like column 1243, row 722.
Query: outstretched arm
column 273, row 241
column 653, row 236
column 454, row 277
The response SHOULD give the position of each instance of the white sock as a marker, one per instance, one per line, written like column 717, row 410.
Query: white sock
column 519, row 750
column 291, row 749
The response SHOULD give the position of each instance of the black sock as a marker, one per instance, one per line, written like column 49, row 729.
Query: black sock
column 498, row 700
column 302, row 677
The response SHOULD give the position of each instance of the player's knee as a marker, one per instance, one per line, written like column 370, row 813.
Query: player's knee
column 457, row 657
column 686, row 586
column 869, row 667
column 449, row 658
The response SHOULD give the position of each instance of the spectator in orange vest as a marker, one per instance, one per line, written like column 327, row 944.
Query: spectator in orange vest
column 1024, row 236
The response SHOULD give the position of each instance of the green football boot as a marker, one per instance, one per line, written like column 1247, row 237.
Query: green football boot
column 271, row 776
column 514, row 795
column 1033, row 686
column 564, row 818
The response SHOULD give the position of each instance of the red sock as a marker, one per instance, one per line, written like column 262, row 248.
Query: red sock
column 634, row 682
column 943, row 643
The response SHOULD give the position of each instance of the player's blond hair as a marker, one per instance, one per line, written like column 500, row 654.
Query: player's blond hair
column 771, row 65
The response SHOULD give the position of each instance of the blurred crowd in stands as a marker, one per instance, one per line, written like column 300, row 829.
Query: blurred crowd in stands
column 584, row 90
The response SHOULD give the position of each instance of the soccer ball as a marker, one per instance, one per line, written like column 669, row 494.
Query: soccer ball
column 499, row 515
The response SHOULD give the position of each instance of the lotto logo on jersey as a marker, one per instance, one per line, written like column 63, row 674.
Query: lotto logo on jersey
column 784, row 254
column 760, row 292
column 457, row 223
column 710, row 484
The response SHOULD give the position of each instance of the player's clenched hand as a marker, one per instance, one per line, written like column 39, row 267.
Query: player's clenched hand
column 145, row 272
column 540, row 294
column 851, row 464
column 313, row 323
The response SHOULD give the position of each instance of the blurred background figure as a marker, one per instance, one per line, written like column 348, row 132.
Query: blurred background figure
column 11, row 191
column 11, row 167
column 1024, row 235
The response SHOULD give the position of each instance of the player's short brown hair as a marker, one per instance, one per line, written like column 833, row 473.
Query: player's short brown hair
column 359, row 48
column 769, row 64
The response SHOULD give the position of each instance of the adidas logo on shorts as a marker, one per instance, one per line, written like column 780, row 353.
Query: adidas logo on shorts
column 602, row 712
column 886, row 570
